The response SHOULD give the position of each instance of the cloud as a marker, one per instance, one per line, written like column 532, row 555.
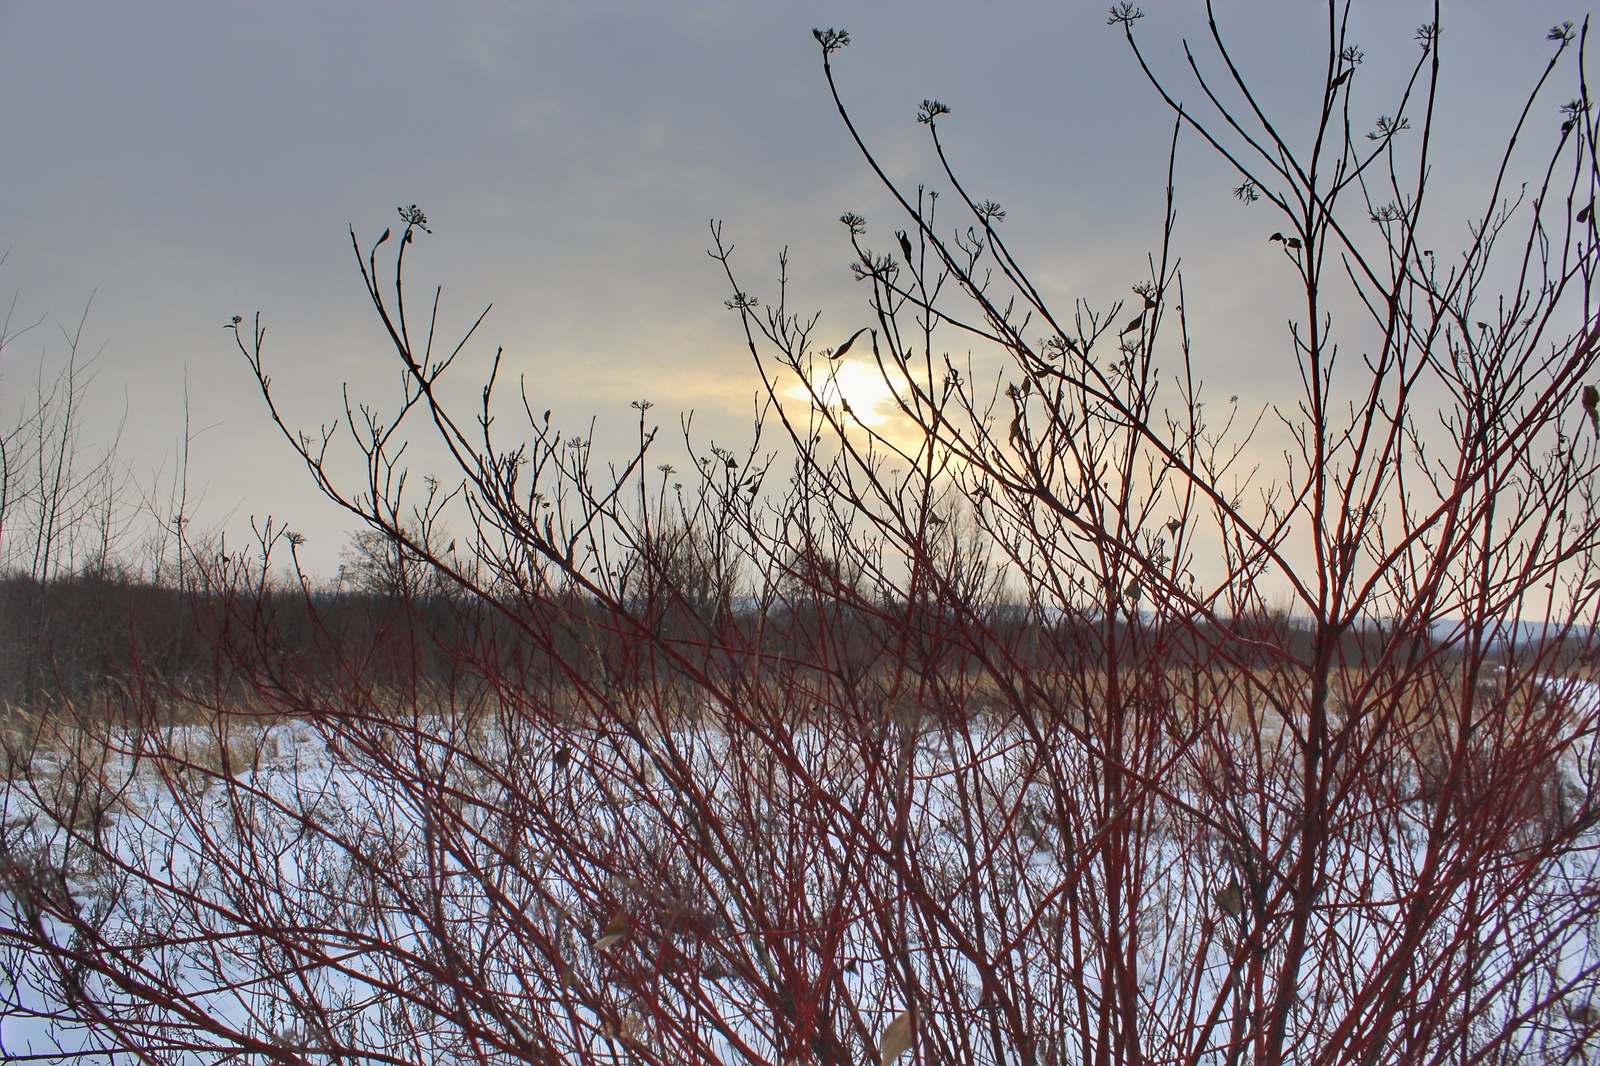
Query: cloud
column 486, row 36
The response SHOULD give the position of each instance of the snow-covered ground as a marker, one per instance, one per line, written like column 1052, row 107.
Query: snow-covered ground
column 294, row 826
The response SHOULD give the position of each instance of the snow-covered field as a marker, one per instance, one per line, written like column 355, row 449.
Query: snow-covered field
column 317, row 890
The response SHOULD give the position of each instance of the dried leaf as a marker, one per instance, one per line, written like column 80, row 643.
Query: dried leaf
column 1231, row 898
column 838, row 353
column 1135, row 324
column 896, row 1038
column 615, row 930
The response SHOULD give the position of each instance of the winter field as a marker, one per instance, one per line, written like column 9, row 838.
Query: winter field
column 1046, row 669
column 321, row 891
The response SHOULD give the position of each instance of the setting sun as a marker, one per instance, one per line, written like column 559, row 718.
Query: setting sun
column 860, row 386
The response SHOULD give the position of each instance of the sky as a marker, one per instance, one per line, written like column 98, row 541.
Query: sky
column 169, row 165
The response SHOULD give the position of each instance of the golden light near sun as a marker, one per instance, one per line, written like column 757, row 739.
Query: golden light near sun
column 860, row 385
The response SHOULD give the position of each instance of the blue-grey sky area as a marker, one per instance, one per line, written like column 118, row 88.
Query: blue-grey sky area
column 185, row 162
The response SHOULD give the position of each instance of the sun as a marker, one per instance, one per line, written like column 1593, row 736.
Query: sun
column 859, row 385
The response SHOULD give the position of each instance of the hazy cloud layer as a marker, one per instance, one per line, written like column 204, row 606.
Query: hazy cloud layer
column 188, row 162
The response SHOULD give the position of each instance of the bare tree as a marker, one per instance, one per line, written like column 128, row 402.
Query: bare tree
column 65, row 514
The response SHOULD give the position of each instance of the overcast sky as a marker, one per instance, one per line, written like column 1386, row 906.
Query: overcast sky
column 188, row 162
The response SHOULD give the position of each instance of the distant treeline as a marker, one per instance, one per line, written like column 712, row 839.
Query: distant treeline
column 76, row 637
column 73, row 637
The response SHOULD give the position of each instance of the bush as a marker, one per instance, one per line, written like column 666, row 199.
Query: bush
column 943, row 743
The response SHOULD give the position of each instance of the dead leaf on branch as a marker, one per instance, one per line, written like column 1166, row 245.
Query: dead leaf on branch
column 838, row 353
column 615, row 930
column 896, row 1038
column 1231, row 898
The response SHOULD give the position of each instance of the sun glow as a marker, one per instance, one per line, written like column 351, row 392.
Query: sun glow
column 859, row 386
